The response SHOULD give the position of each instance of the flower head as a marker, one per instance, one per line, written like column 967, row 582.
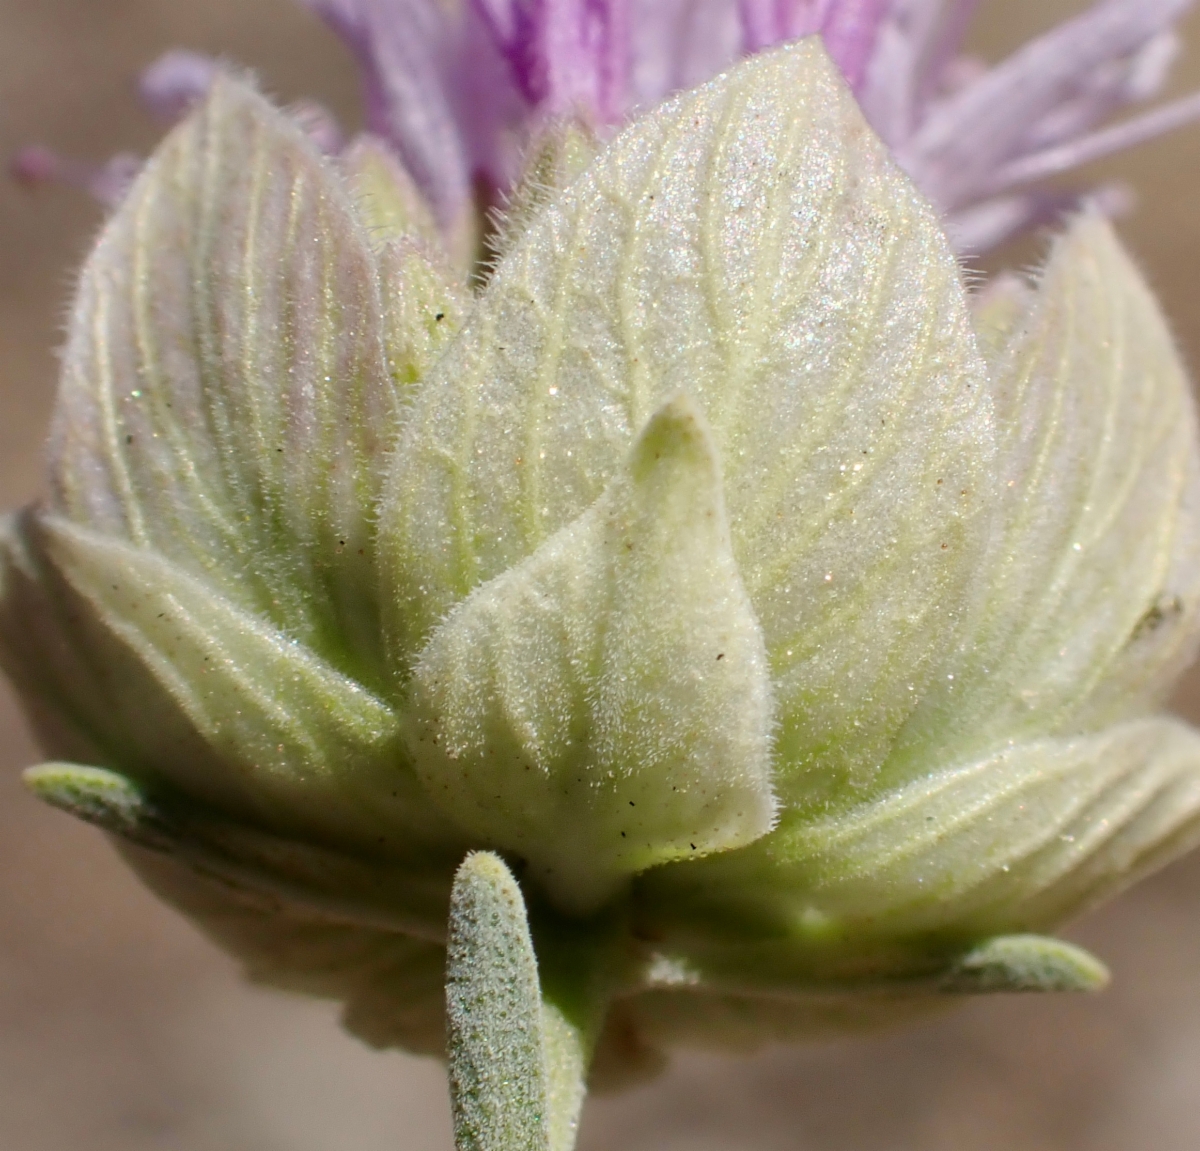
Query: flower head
column 785, row 614
column 463, row 89
column 456, row 87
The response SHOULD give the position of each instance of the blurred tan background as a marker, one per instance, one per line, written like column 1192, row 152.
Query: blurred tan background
column 120, row 1028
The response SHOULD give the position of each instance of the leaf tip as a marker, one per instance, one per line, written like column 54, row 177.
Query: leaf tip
column 677, row 433
column 1026, row 963
column 110, row 801
column 485, row 867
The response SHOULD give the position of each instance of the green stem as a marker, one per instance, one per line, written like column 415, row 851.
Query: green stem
column 577, row 970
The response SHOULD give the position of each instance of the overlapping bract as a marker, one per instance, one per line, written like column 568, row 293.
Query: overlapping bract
column 206, row 553
column 718, row 525
column 715, row 251
column 605, row 706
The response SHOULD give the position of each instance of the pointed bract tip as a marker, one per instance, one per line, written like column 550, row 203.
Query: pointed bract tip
column 677, row 432
column 110, row 801
column 1026, row 963
column 1089, row 225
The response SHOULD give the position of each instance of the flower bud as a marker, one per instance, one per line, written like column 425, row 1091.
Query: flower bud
column 779, row 610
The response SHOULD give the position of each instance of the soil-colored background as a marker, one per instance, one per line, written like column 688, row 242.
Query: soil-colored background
column 120, row 1028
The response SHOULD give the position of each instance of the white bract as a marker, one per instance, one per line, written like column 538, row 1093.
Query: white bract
column 606, row 704
column 722, row 561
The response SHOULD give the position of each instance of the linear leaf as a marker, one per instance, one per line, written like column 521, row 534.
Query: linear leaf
column 308, row 879
column 1025, row 963
column 498, row 1087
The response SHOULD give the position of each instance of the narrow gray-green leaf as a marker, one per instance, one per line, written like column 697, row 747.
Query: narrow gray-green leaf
column 225, row 398
column 581, row 965
column 498, row 1088
column 783, row 970
column 752, row 243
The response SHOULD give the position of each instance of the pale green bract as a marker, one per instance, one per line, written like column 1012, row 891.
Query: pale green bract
column 605, row 705
column 792, row 621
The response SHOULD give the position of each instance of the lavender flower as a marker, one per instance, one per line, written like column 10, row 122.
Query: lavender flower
column 982, row 147
column 719, row 625
column 458, row 89
column 107, row 182
column 175, row 81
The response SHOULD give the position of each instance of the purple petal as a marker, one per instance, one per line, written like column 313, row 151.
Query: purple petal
column 769, row 22
column 993, row 222
column 35, row 165
column 966, row 137
column 890, row 89
column 492, row 115
column 516, row 28
column 565, row 55
column 944, row 42
column 319, row 124
column 679, row 44
column 408, row 50
column 850, row 29
column 175, row 81
column 1109, row 89
column 917, row 46
column 107, row 182
column 608, row 29
column 1094, row 146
